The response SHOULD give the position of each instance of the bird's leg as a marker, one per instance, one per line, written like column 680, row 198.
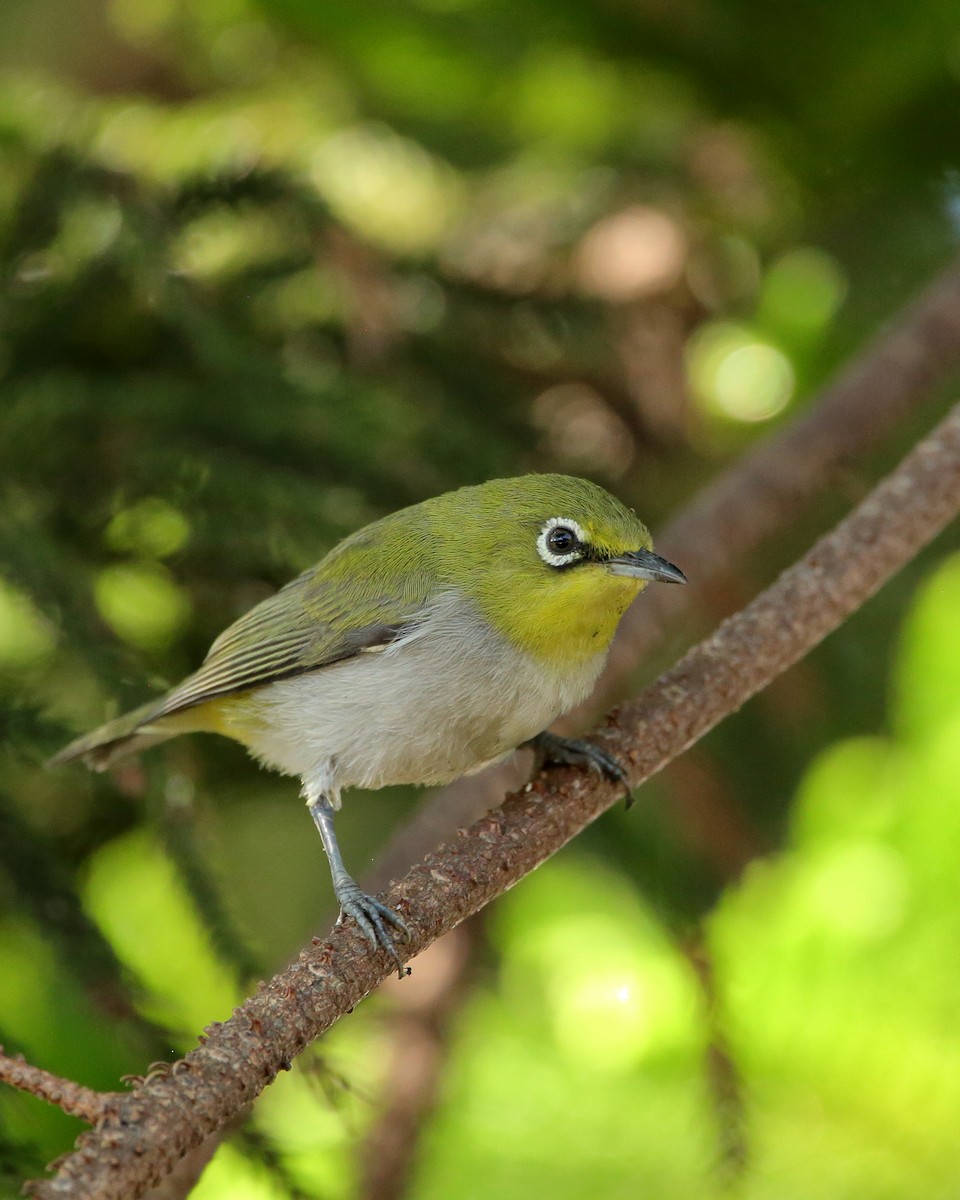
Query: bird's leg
column 573, row 752
column 367, row 911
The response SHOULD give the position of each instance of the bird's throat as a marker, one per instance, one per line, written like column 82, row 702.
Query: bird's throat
column 571, row 622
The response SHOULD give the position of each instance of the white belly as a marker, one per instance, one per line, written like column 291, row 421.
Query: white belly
column 443, row 702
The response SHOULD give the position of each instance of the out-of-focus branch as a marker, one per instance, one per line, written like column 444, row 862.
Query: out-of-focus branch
column 918, row 351
column 722, row 1074
column 766, row 489
column 417, row 1036
column 72, row 1098
column 143, row 1135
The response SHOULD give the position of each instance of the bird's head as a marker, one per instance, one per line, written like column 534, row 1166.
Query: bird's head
column 552, row 561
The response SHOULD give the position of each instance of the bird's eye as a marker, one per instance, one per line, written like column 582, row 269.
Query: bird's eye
column 561, row 540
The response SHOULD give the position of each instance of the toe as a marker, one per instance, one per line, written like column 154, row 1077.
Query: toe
column 614, row 768
column 373, row 918
column 574, row 752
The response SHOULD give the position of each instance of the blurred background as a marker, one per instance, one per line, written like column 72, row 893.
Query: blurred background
column 271, row 268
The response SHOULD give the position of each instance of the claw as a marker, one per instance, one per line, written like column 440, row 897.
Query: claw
column 574, row 752
column 373, row 917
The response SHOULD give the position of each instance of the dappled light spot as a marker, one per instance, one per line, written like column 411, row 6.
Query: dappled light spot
column 140, row 903
column 141, row 136
column 87, row 231
column 26, row 638
column 152, row 528
column 736, row 375
column 224, row 243
column 566, row 97
column 614, row 990
column 307, row 297
column 389, row 187
column 610, row 1011
column 634, row 253
column 801, row 292
column 141, row 603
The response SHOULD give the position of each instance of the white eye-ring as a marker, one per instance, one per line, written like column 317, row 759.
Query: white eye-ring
column 560, row 542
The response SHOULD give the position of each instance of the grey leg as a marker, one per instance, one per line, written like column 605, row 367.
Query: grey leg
column 573, row 752
column 366, row 910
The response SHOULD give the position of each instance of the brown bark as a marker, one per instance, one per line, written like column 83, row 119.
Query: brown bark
column 73, row 1098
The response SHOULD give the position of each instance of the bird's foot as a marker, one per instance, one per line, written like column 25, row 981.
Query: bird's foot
column 373, row 919
column 574, row 752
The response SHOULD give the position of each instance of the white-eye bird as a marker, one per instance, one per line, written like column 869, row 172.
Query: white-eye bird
column 423, row 647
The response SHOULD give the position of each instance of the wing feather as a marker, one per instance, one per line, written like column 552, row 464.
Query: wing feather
column 228, row 672
column 312, row 623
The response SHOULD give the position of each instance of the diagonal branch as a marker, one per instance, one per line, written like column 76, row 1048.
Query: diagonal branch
column 145, row 1133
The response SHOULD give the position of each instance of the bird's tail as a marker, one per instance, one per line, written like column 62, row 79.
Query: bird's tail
column 129, row 734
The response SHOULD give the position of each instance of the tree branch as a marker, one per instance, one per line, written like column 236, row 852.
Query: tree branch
column 747, row 504
column 143, row 1135
column 72, row 1098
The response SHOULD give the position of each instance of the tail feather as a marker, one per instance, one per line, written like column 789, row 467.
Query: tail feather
column 128, row 734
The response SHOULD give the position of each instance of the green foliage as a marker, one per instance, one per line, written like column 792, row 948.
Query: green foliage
column 838, row 954
column 271, row 268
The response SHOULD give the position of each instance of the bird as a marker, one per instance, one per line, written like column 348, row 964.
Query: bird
column 424, row 646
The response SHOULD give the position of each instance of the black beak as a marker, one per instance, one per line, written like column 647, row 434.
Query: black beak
column 644, row 564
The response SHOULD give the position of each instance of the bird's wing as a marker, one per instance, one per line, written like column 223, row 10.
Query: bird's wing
column 311, row 623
